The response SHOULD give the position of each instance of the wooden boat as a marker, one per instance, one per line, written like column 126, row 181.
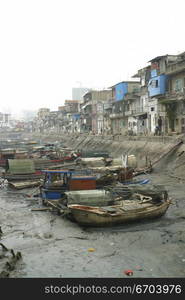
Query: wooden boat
column 55, row 184
column 140, row 171
column 127, row 211
column 23, row 177
column 85, row 153
column 24, row 184
column 21, row 169
column 6, row 154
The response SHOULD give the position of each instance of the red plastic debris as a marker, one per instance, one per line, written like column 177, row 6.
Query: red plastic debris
column 128, row 272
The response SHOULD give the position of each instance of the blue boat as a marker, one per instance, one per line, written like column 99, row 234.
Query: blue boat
column 57, row 182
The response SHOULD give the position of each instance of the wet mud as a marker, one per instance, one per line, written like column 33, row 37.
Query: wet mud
column 53, row 246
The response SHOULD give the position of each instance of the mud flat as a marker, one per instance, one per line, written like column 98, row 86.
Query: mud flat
column 52, row 246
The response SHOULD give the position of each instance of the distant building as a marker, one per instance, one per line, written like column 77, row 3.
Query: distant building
column 43, row 112
column 61, row 108
column 72, row 106
column 78, row 93
column 4, row 119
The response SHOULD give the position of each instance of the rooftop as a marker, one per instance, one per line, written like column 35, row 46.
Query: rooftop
column 72, row 101
column 158, row 58
column 140, row 71
column 128, row 81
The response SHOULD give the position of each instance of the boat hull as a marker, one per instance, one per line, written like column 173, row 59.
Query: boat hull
column 52, row 194
column 88, row 217
column 19, row 177
column 24, row 184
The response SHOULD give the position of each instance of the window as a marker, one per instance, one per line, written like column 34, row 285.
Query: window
column 183, row 108
column 135, row 89
column 178, row 85
column 154, row 83
column 143, row 81
column 152, row 108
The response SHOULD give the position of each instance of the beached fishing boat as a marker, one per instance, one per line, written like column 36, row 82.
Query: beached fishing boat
column 126, row 211
column 21, row 170
column 24, row 184
column 11, row 153
column 21, row 177
column 57, row 182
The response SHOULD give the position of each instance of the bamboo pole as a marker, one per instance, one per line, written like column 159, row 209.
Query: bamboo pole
column 163, row 155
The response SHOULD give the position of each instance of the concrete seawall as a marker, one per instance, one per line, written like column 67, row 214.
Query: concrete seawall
column 145, row 149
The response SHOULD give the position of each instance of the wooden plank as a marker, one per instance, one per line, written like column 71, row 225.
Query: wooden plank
column 41, row 209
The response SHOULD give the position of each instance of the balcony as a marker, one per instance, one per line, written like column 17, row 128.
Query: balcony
column 117, row 115
column 136, row 112
column 128, row 113
column 112, row 99
column 174, row 96
column 175, row 68
column 86, row 104
column 107, row 105
column 133, row 96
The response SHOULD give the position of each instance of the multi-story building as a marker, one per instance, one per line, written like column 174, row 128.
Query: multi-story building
column 86, row 113
column 122, row 93
column 157, row 88
column 72, row 116
column 174, row 98
column 128, row 107
column 4, row 120
column 93, row 117
column 99, row 99
column 43, row 112
column 40, row 121
column 140, row 110
column 162, row 94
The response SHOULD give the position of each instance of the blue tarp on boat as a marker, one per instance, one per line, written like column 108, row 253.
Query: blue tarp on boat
column 142, row 181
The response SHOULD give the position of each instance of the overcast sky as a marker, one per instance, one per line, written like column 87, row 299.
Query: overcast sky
column 49, row 46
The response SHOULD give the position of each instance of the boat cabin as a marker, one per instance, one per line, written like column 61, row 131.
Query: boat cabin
column 6, row 154
column 10, row 153
column 56, row 178
column 57, row 182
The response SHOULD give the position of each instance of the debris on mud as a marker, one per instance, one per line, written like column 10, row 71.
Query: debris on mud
column 8, row 260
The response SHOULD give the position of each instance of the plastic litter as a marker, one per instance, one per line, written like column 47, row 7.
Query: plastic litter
column 91, row 250
column 128, row 272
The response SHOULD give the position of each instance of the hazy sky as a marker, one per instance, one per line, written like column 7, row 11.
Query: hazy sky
column 49, row 46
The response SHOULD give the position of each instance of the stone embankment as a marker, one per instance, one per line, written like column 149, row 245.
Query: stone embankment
column 159, row 150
